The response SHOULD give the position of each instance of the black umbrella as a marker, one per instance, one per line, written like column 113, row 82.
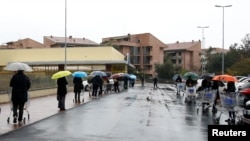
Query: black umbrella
column 207, row 76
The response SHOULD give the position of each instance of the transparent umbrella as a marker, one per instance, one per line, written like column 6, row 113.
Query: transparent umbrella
column 15, row 66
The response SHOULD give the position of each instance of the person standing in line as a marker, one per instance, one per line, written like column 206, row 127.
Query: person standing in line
column 178, row 81
column 190, row 82
column 78, row 87
column 20, row 84
column 155, row 79
column 116, row 86
column 230, row 88
column 132, row 82
column 142, row 80
column 61, row 92
column 96, row 81
column 125, row 80
column 215, row 84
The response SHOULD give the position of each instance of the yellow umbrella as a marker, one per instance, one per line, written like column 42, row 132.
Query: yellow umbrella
column 60, row 74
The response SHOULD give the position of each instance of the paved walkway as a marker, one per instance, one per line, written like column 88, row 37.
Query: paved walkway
column 39, row 108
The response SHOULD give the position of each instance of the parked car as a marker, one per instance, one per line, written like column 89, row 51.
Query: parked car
column 241, row 92
column 241, row 82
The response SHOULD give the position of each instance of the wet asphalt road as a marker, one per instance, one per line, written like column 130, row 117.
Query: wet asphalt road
column 139, row 113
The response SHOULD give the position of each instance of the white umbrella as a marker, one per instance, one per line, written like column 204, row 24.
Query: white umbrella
column 18, row 66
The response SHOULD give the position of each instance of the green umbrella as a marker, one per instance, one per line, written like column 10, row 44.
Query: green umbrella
column 193, row 75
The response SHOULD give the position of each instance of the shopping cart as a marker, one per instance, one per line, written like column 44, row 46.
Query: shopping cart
column 243, row 101
column 25, row 109
column 228, row 104
column 180, row 88
column 207, row 99
column 190, row 96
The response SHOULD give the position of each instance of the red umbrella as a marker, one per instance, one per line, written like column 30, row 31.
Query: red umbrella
column 116, row 75
column 225, row 77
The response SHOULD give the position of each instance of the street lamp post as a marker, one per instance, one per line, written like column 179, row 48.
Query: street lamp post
column 223, row 6
column 65, row 40
column 203, row 63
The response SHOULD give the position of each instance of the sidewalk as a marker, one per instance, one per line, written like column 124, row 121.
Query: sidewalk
column 39, row 108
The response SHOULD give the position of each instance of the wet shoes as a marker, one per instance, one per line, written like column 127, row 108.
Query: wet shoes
column 15, row 120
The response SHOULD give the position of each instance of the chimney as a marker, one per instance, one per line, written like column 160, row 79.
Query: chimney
column 177, row 42
column 70, row 37
column 51, row 36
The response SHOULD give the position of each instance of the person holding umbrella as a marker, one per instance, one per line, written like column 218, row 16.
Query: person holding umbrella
column 61, row 92
column 20, row 84
column 61, row 87
column 78, row 87
column 190, row 82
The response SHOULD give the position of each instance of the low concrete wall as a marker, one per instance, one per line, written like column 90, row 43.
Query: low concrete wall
column 4, row 98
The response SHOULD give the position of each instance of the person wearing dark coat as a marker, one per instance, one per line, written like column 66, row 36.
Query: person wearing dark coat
column 97, row 82
column 230, row 88
column 116, row 86
column 215, row 84
column 61, row 92
column 78, row 87
column 132, row 82
column 190, row 82
column 206, row 84
column 155, row 79
column 178, row 79
column 125, row 81
column 20, row 84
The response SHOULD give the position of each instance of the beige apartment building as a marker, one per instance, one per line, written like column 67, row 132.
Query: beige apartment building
column 142, row 50
column 185, row 55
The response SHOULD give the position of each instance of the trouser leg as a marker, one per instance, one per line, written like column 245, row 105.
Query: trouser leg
column 78, row 97
column 20, row 108
column 14, row 109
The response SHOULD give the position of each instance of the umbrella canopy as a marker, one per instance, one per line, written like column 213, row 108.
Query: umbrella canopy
column 60, row 74
column 108, row 73
column 125, row 75
column 101, row 73
column 80, row 74
column 207, row 76
column 18, row 66
column 193, row 75
column 225, row 77
column 116, row 76
column 131, row 76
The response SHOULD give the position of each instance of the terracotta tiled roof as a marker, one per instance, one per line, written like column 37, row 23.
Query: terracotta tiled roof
column 71, row 40
column 181, row 45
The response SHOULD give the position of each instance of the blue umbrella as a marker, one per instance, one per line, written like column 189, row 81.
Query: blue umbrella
column 80, row 74
column 132, row 76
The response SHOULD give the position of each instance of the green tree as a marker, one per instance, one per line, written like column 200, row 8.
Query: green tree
column 214, row 63
column 165, row 70
column 240, row 68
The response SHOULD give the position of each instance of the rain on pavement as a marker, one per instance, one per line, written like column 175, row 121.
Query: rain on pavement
column 139, row 113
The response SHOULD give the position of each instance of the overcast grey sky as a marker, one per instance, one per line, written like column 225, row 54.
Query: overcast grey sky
column 168, row 20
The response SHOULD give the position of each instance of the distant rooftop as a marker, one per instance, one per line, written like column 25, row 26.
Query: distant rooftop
column 71, row 40
column 181, row 45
